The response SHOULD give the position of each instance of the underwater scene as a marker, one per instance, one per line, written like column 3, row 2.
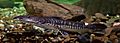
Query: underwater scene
column 59, row 21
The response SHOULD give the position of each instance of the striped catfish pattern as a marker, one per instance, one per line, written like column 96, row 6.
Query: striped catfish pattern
column 56, row 22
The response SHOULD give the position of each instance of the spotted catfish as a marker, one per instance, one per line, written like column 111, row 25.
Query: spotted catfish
column 56, row 23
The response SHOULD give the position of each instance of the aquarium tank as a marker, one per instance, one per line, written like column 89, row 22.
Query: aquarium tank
column 59, row 21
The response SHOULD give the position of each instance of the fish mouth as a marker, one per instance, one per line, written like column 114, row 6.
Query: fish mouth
column 17, row 19
column 20, row 20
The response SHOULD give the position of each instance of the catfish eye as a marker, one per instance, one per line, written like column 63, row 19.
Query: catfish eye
column 20, row 18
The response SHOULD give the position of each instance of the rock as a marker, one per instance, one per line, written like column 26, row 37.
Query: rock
column 43, row 8
column 100, row 15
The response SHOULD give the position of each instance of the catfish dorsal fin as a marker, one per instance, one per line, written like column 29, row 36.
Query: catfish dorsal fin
column 77, row 18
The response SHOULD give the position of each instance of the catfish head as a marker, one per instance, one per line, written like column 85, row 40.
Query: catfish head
column 30, row 19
